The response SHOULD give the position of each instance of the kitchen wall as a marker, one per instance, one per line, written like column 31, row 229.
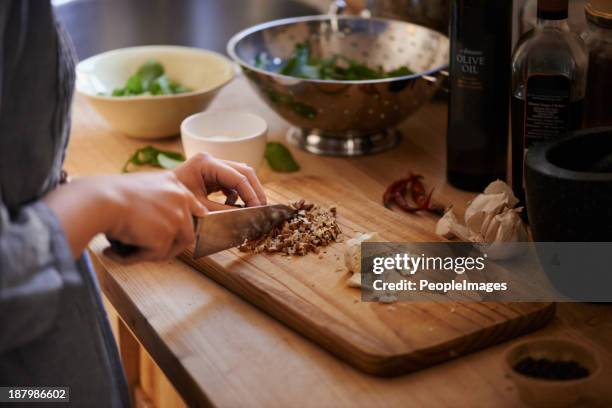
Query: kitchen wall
column 576, row 12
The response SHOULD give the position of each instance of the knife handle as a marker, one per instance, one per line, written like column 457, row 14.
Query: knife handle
column 126, row 249
column 122, row 249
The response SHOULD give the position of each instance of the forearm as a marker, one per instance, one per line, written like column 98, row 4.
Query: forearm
column 84, row 208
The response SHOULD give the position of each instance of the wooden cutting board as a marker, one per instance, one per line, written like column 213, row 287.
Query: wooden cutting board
column 310, row 293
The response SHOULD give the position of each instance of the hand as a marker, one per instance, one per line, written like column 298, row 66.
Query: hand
column 152, row 211
column 156, row 216
column 203, row 174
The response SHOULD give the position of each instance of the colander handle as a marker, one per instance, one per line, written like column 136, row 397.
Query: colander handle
column 442, row 80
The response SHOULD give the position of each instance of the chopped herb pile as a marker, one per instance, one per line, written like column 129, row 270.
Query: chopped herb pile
column 303, row 64
column 152, row 156
column 311, row 228
column 279, row 158
column 150, row 79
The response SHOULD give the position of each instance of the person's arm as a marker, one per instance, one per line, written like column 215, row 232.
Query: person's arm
column 152, row 211
column 82, row 211
column 40, row 241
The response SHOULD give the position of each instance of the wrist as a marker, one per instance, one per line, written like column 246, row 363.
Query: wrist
column 107, row 203
column 84, row 208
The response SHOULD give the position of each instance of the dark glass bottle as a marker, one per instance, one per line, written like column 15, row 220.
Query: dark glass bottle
column 528, row 16
column 477, row 138
column 598, row 38
column 548, row 84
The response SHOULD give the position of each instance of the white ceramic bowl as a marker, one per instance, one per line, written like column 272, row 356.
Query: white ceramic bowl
column 147, row 116
column 237, row 136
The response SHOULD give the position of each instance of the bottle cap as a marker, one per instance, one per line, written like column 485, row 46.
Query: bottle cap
column 599, row 12
column 552, row 9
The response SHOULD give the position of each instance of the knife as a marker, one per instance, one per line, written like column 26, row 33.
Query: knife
column 221, row 230
column 226, row 229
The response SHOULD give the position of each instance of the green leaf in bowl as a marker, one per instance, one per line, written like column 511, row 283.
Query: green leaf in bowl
column 150, row 79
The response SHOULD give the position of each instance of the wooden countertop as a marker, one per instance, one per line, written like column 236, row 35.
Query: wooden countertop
column 217, row 349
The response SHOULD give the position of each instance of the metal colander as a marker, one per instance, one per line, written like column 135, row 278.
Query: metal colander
column 344, row 117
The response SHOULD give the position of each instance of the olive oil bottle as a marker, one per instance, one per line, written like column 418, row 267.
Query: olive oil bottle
column 477, row 138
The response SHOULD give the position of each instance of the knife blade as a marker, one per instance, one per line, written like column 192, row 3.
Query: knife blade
column 226, row 229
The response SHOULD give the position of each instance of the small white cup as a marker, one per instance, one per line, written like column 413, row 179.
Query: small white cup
column 236, row 136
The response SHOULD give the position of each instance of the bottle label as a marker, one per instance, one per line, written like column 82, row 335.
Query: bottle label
column 547, row 108
column 471, row 64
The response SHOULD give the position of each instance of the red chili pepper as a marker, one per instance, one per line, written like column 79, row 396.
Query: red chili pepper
column 419, row 195
column 396, row 194
column 397, row 186
column 402, row 203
